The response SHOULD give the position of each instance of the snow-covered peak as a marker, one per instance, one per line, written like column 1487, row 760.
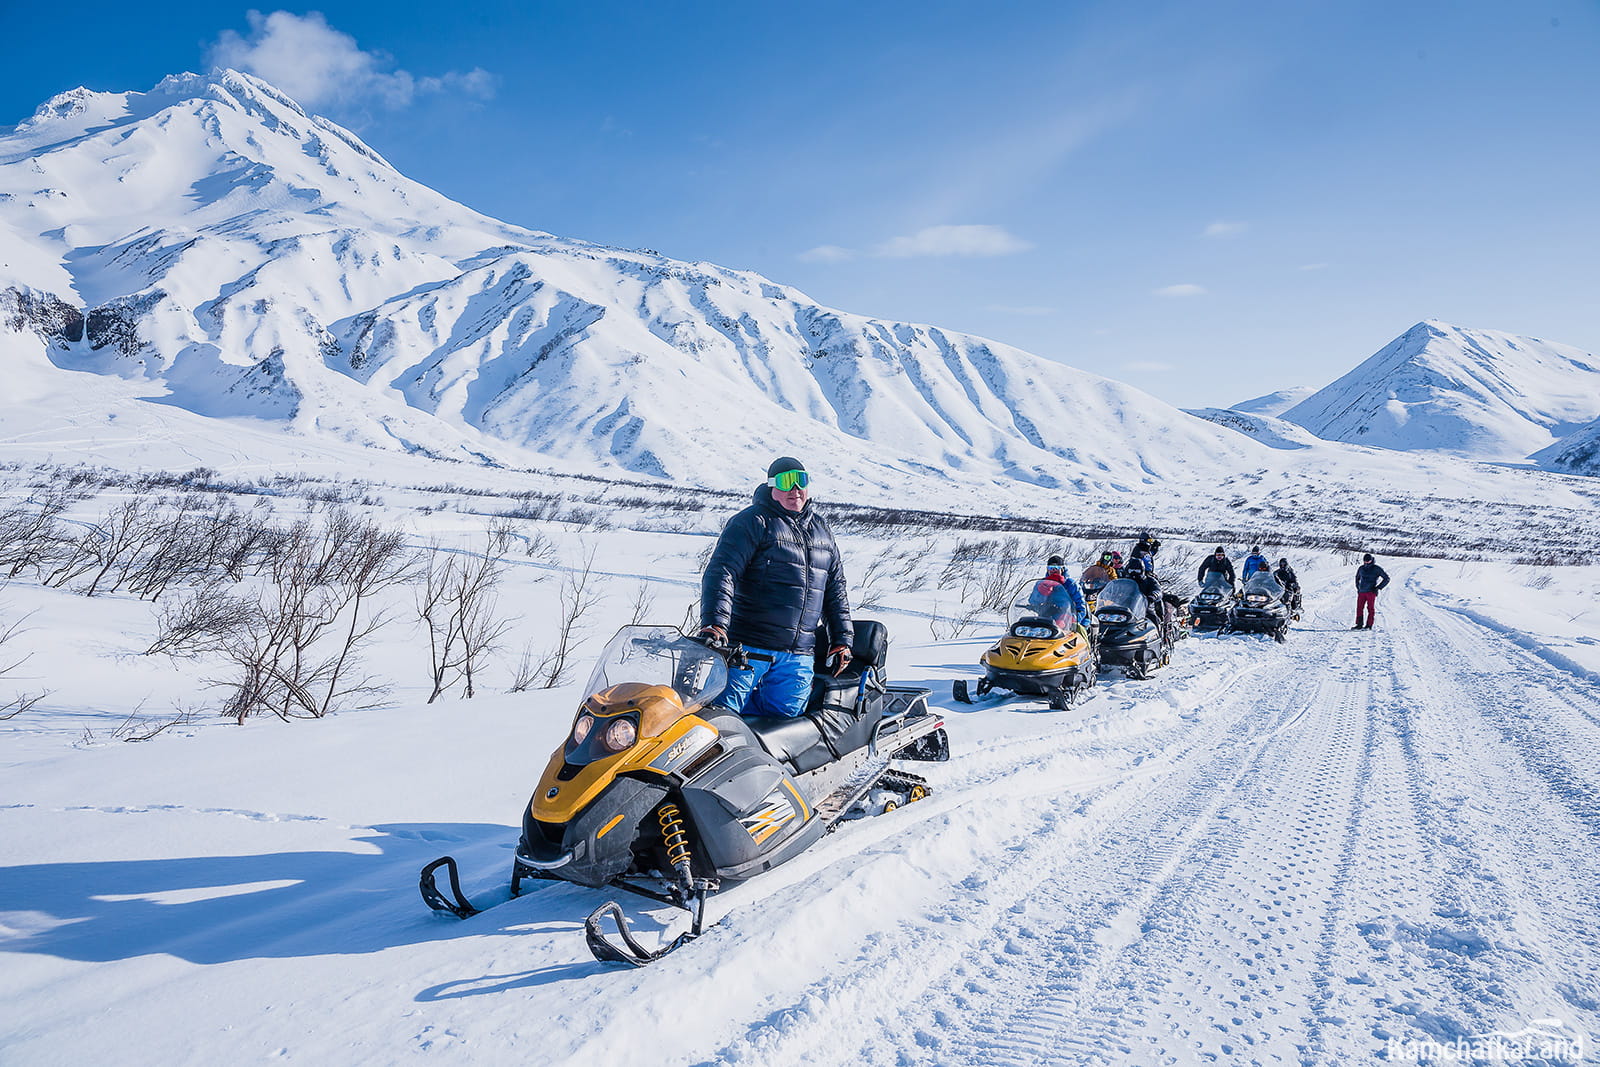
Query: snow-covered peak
column 1275, row 404
column 1481, row 394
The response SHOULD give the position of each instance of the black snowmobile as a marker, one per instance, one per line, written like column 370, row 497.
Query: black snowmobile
column 1128, row 638
column 1262, row 608
column 1210, row 607
column 658, row 791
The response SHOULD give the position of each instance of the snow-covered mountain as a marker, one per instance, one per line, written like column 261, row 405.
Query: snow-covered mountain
column 229, row 254
column 1480, row 394
column 1274, row 404
column 1576, row 453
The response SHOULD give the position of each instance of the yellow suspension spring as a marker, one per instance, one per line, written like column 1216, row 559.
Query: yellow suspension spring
column 674, row 835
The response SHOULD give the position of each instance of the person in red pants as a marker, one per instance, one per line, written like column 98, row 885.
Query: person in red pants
column 1370, row 579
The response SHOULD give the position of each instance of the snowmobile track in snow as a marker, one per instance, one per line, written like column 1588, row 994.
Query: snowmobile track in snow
column 1299, row 875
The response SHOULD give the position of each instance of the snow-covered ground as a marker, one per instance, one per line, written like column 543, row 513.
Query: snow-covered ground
column 1329, row 851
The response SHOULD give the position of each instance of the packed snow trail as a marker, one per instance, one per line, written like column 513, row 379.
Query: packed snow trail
column 1380, row 836
column 1266, row 853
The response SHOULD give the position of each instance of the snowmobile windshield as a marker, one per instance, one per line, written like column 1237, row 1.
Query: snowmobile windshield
column 1262, row 584
column 661, row 655
column 1041, row 599
column 1216, row 582
column 1120, row 601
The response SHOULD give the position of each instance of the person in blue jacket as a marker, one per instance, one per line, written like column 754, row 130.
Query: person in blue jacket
column 774, row 576
column 1255, row 561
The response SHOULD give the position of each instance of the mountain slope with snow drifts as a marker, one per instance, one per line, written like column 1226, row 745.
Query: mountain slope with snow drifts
column 239, row 257
column 1479, row 394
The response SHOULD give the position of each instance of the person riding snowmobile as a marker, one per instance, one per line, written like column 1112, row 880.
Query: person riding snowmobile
column 1255, row 561
column 1155, row 607
column 1100, row 571
column 1291, row 584
column 1147, row 546
column 1217, row 562
column 1065, row 594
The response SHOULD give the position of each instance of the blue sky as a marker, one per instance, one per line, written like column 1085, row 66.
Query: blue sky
column 1211, row 200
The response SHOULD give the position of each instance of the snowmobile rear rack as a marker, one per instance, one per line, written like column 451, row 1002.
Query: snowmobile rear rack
column 460, row 907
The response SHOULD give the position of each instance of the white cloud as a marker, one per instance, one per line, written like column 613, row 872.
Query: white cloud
column 827, row 254
column 1185, row 289
column 320, row 66
column 953, row 241
column 1223, row 228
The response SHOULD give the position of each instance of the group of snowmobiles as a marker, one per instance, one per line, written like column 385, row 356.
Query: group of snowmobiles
column 657, row 790
column 1259, row 605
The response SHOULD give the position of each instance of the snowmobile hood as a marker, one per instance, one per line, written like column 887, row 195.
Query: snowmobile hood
column 566, row 790
column 1036, row 654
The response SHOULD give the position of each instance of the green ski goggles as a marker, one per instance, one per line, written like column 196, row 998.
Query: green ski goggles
column 785, row 481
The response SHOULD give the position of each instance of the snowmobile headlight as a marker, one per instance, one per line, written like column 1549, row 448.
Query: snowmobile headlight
column 1033, row 631
column 581, row 728
column 1256, row 599
column 620, row 735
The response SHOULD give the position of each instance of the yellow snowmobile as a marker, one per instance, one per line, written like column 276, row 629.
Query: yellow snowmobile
column 1042, row 652
column 657, row 790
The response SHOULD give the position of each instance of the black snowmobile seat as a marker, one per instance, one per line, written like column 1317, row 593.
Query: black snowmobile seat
column 832, row 726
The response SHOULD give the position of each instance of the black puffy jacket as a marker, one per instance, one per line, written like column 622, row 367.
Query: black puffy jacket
column 1221, row 566
column 776, row 574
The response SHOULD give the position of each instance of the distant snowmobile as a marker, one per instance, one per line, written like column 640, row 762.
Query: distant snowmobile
column 656, row 791
column 1039, row 655
column 1262, row 608
column 1209, row 611
column 1128, row 639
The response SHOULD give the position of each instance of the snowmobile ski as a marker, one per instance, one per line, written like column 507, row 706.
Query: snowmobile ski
column 630, row 951
column 434, row 897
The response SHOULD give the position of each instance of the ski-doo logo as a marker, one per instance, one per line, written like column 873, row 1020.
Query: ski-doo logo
column 775, row 811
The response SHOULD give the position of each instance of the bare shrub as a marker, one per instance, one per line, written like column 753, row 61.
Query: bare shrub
column 31, row 531
column 456, row 603
column 295, row 653
column 579, row 596
column 644, row 602
column 201, row 622
column 11, row 708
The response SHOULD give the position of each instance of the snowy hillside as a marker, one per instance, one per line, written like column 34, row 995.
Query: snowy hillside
column 1576, row 453
column 1275, row 404
column 1480, row 394
column 238, row 257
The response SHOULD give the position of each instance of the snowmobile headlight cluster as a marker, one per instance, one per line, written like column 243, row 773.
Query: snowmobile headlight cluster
column 1033, row 631
column 1255, row 598
column 620, row 735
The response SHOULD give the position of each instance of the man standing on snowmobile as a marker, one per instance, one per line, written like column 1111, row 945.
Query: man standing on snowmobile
column 1370, row 580
column 774, row 575
column 1217, row 562
column 1255, row 561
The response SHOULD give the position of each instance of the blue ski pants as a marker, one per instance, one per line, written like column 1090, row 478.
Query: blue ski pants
column 775, row 683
